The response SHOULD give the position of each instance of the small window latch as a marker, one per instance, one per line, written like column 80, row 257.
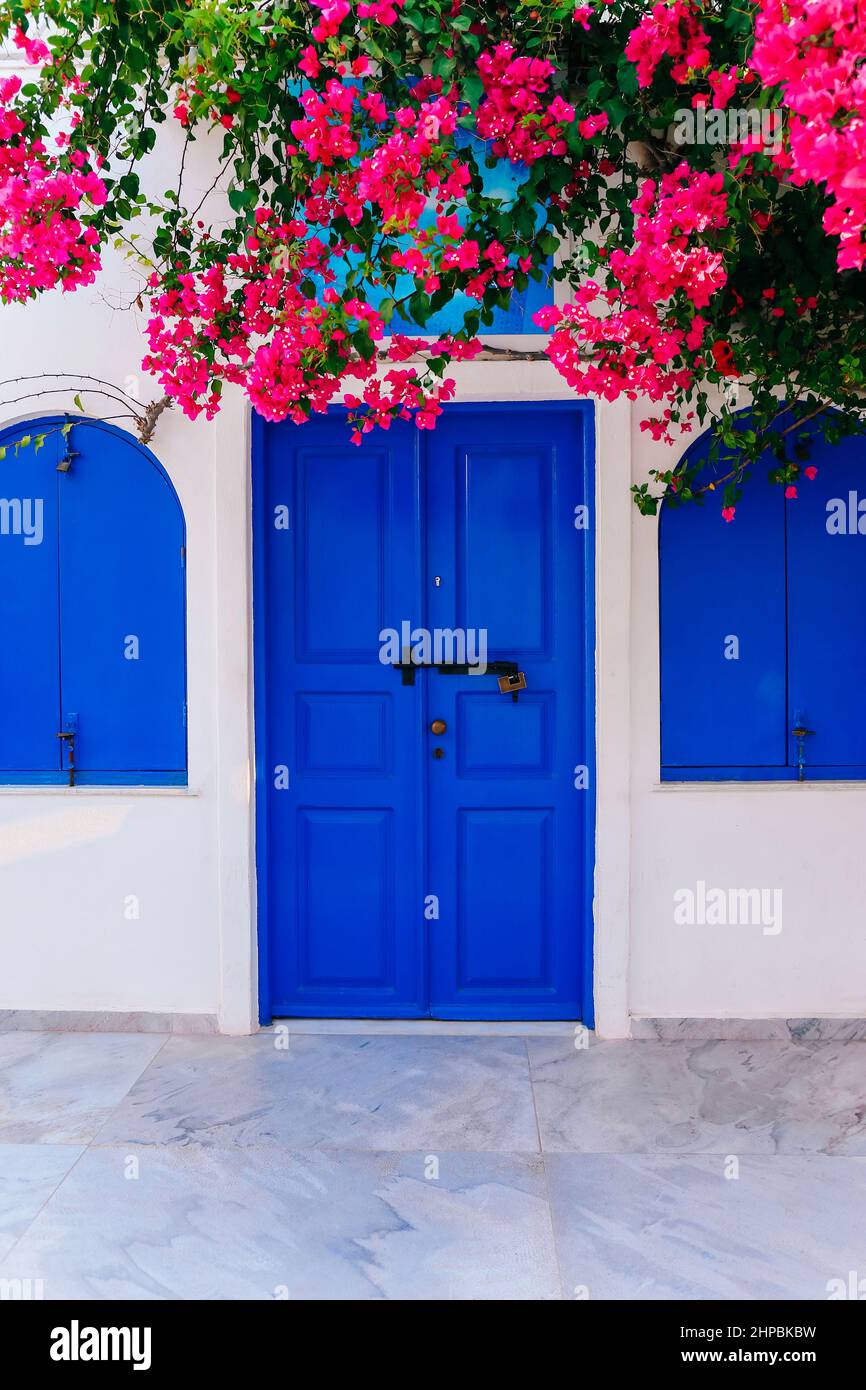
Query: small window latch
column 67, row 737
column 800, row 733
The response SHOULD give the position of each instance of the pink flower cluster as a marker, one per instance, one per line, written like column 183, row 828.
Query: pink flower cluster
column 335, row 11
column 516, row 113
column 283, row 331
column 287, row 347
column 814, row 50
column 669, row 31
column 639, row 333
column 407, row 165
column 43, row 242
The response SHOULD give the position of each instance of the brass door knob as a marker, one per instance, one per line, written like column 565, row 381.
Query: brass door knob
column 438, row 727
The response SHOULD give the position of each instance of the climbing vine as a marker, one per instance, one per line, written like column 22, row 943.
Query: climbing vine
column 689, row 186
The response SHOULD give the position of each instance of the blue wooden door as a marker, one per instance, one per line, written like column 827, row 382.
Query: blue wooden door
column 405, row 873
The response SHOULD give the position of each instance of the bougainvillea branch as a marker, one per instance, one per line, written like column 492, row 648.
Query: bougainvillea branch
column 687, row 178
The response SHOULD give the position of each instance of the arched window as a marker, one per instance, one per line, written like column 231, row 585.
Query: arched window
column 763, row 627
column 92, row 609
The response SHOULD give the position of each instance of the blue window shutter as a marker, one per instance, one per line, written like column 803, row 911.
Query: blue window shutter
column 827, row 607
column 723, row 657
column 122, row 617
column 29, row 658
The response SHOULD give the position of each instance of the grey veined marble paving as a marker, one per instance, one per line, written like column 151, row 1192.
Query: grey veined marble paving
column 29, row 1174
column 185, row 1223
column 58, row 1088
column 388, row 1093
column 711, row 1097
column 700, row 1226
column 751, row 1029
column 364, row 1166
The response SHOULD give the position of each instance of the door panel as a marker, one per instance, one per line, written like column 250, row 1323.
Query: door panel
column 506, row 823
column 348, row 923
column 503, row 559
column 400, row 884
column 342, row 555
column 491, row 954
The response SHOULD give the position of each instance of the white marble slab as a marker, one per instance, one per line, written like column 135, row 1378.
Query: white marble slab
column 426, row 1027
column 349, row 1092
column 111, row 1021
column 638, row 1227
column 263, row 1224
column 29, row 1174
column 711, row 1097
column 750, row 1029
column 58, row 1088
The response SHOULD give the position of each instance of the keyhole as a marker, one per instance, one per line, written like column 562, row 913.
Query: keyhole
column 437, row 580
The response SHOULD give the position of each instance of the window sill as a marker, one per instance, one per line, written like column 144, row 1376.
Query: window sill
column 47, row 790
column 847, row 784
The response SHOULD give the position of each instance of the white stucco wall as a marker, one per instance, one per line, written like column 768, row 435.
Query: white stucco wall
column 69, row 858
column 805, row 840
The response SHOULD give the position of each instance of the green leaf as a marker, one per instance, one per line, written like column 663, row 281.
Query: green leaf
column 473, row 89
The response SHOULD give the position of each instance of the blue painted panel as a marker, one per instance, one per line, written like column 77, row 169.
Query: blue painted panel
column 340, row 596
column 826, row 609
column 506, row 830
column 339, row 561
column 346, row 908
column 503, row 535
column 723, row 632
column 122, row 615
column 496, row 738
column 29, row 658
column 506, row 915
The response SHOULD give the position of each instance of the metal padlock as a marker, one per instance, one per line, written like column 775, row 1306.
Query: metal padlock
column 509, row 685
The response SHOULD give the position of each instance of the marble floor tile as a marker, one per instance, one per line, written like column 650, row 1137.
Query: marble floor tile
column 701, row 1097
column 194, row 1222
column 750, row 1029
column 359, row 1092
column 57, row 1088
column 29, row 1173
column 638, row 1227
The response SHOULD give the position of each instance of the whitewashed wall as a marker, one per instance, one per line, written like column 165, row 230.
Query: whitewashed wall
column 804, row 840
column 70, row 858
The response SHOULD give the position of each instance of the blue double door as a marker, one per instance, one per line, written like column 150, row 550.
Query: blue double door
column 425, row 839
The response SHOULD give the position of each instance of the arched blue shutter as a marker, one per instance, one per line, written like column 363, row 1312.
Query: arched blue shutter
column 122, row 619
column 29, row 656
column 723, row 634
column 827, row 610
